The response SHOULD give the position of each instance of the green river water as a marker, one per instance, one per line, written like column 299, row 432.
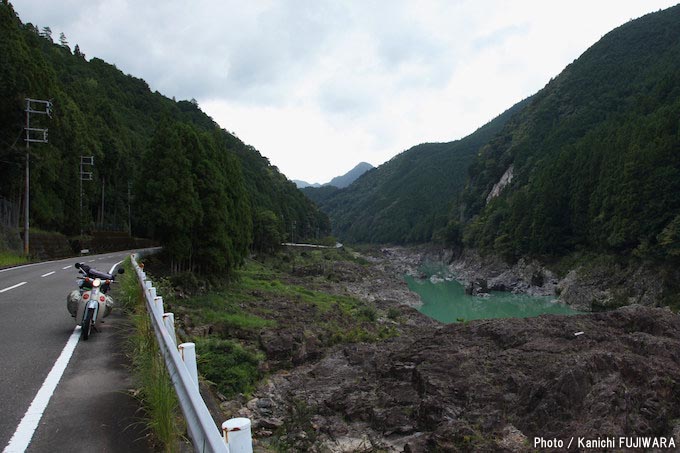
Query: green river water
column 447, row 302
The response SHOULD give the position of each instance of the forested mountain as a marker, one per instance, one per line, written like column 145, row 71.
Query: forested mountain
column 408, row 198
column 191, row 184
column 592, row 161
column 595, row 156
column 348, row 178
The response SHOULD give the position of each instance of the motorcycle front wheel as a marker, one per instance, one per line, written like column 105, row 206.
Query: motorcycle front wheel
column 86, row 326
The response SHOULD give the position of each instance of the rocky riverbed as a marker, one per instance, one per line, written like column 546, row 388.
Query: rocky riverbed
column 588, row 284
column 484, row 386
column 488, row 385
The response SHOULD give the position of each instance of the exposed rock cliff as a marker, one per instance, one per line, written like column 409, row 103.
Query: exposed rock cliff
column 501, row 184
column 606, row 286
column 525, row 276
column 596, row 284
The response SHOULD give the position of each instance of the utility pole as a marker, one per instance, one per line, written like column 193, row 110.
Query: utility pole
column 33, row 135
column 101, row 218
column 129, row 209
column 84, row 176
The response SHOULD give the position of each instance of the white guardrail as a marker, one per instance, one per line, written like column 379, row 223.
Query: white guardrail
column 181, row 363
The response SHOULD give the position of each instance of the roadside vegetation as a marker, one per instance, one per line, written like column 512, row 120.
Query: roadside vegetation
column 278, row 311
column 8, row 258
column 154, row 388
column 10, row 247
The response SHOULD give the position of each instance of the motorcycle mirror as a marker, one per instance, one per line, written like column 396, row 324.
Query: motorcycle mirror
column 77, row 266
column 121, row 270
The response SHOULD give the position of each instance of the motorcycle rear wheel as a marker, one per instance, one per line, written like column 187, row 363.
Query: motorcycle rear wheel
column 86, row 326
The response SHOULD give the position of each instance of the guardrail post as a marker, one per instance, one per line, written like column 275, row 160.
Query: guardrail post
column 181, row 363
column 169, row 322
column 188, row 353
column 152, row 292
column 237, row 435
column 158, row 305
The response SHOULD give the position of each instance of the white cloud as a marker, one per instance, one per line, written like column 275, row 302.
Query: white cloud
column 318, row 86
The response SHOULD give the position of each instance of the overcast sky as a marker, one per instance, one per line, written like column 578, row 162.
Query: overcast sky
column 318, row 86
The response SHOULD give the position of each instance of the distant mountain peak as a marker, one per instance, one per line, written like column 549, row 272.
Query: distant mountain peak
column 339, row 181
column 302, row 184
column 351, row 176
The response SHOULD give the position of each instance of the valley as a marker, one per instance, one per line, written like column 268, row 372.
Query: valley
column 516, row 284
column 342, row 359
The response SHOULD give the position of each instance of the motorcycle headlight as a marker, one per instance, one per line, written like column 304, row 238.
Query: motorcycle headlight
column 96, row 283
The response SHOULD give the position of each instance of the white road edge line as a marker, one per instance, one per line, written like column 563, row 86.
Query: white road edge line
column 114, row 266
column 12, row 287
column 24, row 433
column 47, row 274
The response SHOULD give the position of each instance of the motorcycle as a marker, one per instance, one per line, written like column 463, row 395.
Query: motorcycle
column 90, row 300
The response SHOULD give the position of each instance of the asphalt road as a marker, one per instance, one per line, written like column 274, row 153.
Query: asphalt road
column 90, row 409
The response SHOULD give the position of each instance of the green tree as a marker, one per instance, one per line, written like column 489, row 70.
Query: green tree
column 220, row 240
column 168, row 200
column 196, row 190
column 77, row 52
column 669, row 238
column 47, row 33
column 266, row 231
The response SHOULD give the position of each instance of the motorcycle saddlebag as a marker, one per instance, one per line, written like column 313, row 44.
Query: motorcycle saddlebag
column 72, row 302
column 108, row 307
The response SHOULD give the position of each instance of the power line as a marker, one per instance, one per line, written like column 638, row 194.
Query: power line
column 84, row 176
column 33, row 135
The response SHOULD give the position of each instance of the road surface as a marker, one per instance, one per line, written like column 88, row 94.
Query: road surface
column 88, row 407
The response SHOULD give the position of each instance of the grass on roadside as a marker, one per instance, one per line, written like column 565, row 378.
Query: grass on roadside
column 155, row 391
column 12, row 259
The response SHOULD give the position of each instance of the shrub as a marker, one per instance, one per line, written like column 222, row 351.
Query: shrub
column 231, row 367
